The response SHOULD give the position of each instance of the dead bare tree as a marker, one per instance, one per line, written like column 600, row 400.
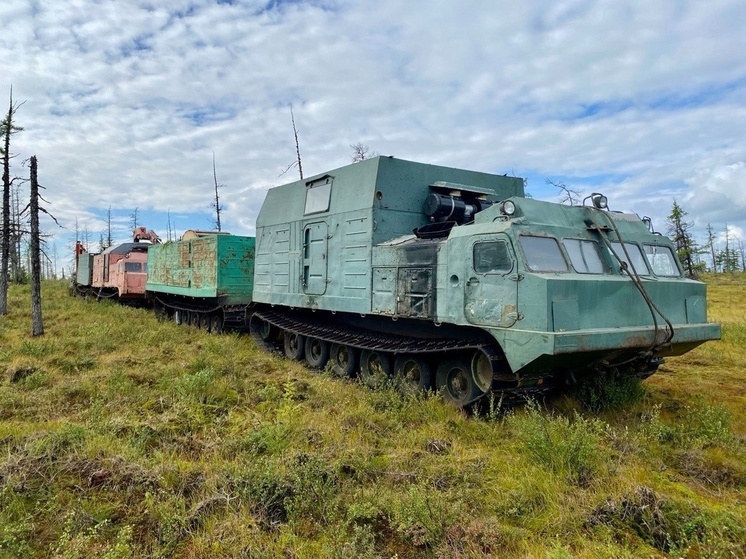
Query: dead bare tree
column 37, row 325
column 569, row 195
column 171, row 233
column 109, row 238
column 216, row 204
column 17, row 271
column 297, row 162
column 7, row 128
column 54, row 261
column 34, row 249
column 86, row 234
column 297, row 145
column 361, row 152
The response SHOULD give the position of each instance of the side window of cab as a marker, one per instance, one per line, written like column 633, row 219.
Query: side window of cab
column 492, row 257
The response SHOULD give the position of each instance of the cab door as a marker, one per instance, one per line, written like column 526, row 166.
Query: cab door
column 491, row 288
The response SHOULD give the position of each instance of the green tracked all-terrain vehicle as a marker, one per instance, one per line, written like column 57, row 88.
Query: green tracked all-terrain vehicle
column 451, row 279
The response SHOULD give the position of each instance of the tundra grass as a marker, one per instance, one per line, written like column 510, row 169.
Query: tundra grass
column 122, row 436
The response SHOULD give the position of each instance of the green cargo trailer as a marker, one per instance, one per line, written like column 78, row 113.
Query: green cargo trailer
column 206, row 280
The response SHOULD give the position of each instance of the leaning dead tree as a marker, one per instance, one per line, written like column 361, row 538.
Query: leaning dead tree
column 216, row 205
column 297, row 145
column 297, row 162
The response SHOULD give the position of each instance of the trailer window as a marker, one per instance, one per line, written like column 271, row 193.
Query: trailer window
column 133, row 267
column 635, row 254
column 492, row 256
column 585, row 256
column 662, row 260
column 543, row 254
column 318, row 194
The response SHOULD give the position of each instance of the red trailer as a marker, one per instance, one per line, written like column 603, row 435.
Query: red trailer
column 118, row 272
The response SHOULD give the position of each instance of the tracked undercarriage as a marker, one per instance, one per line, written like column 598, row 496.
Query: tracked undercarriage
column 428, row 361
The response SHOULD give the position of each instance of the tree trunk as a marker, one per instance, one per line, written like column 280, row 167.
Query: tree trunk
column 37, row 328
column 5, row 257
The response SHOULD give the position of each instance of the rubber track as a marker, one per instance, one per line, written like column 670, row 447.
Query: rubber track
column 365, row 339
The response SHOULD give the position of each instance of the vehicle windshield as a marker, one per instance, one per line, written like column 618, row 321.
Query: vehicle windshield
column 635, row 254
column 134, row 267
column 662, row 260
column 585, row 256
column 543, row 254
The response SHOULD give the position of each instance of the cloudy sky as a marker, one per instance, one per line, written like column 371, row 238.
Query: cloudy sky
column 125, row 101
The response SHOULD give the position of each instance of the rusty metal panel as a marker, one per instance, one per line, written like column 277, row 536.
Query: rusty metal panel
column 211, row 266
column 414, row 292
column 204, row 262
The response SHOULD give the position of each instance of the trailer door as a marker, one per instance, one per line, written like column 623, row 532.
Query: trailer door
column 315, row 258
column 491, row 290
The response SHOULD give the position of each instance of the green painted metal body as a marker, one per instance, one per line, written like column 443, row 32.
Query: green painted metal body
column 343, row 242
column 219, row 267
column 546, row 319
column 84, row 269
column 323, row 259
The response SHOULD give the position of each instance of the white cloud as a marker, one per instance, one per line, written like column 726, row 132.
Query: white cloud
column 126, row 101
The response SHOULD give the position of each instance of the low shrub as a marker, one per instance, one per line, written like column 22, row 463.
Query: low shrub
column 567, row 448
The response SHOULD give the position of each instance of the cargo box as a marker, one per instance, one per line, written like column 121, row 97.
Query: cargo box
column 215, row 266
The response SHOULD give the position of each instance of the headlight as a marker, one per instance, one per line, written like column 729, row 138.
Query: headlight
column 599, row 201
column 508, row 207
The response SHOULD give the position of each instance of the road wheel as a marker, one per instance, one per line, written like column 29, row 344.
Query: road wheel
column 216, row 322
column 455, row 383
column 344, row 360
column 263, row 333
column 375, row 368
column 293, row 346
column 412, row 373
column 317, row 353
